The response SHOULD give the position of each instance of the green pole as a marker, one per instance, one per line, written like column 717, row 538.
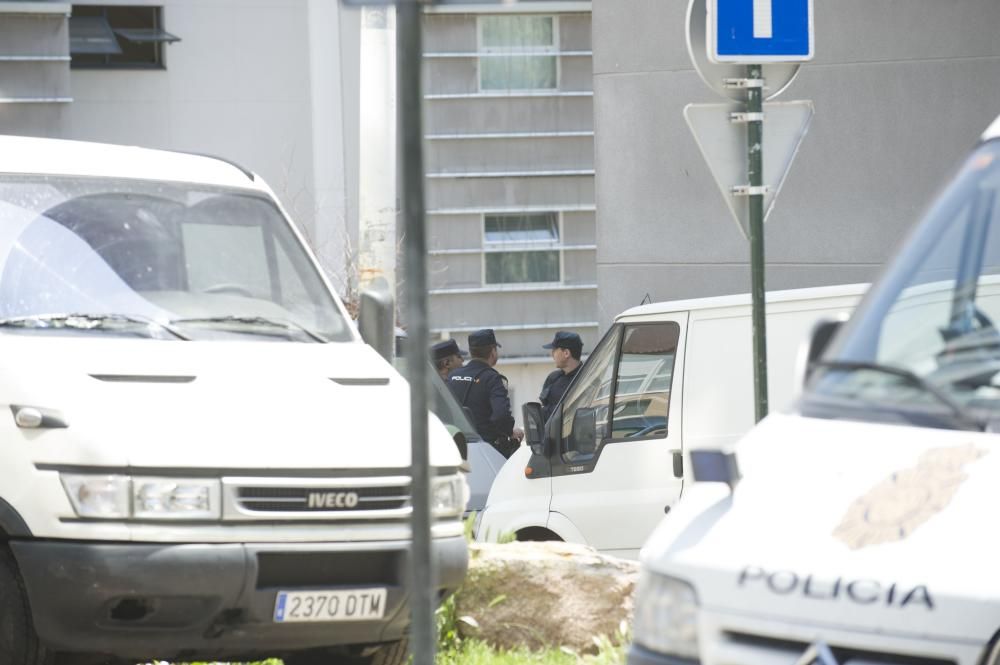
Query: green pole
column 755, row 171
column 409, row 104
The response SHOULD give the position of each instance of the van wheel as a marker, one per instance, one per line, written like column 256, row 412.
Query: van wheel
column 18, row 642
column 391, row 653
column 537, row 534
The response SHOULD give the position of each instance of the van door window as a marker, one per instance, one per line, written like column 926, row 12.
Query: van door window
column 638, row 362
column 642, row 388
column 585, row 406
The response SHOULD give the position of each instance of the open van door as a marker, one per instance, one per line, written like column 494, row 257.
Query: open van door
column 615, row 463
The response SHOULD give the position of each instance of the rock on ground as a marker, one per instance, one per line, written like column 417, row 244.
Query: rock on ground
column 543, row 595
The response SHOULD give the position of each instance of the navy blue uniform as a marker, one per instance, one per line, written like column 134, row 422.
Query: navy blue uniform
column 554, row 388
column 484, row 390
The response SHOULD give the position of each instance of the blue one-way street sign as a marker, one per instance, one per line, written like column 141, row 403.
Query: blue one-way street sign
column 751, row 31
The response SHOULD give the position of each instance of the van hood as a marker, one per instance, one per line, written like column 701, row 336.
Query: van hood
column 224, row 405
column 851, row 525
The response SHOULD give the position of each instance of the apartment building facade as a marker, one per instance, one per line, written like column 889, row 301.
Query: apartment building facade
column 510, row 179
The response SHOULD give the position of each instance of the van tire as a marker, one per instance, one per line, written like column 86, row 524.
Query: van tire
column 391, row 653
column 19, row 643
column 537, row 534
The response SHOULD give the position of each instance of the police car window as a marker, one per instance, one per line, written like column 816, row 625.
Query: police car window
column 642, row 389
column 585, row 406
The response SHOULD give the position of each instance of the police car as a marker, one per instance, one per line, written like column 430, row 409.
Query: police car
column 858, row 527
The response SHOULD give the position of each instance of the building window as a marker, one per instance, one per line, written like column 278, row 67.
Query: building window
column 117, row 37
column 522, row 249
column 518, row 53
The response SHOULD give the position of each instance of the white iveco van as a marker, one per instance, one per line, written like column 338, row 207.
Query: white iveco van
column 862, row 529
column 665, row 377
column 200, row 458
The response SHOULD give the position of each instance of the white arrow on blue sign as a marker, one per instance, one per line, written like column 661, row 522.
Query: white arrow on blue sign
column 751, row 31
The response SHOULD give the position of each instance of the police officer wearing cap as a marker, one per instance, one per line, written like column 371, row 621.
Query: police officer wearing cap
column 446, row 356
column 566, row 348
column 484, row 390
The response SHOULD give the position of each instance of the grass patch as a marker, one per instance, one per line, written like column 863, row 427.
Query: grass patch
column 472, row 652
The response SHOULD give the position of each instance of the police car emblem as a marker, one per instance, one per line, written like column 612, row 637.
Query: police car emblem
column 898, row 505
column 817, row 654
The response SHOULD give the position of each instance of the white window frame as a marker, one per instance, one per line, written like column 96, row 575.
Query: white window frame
column 483, row 51
column 493, row 247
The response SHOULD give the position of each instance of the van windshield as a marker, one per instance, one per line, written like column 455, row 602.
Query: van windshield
column 924, row 347
column 178, row 261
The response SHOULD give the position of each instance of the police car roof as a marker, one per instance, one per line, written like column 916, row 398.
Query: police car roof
column 29, row 155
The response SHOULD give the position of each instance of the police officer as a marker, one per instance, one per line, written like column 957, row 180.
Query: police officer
column 484, row 390
column 446, row 356
column 566, row 348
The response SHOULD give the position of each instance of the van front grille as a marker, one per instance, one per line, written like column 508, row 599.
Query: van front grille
column 322, row 499
column 843, row 654
column 337, row 499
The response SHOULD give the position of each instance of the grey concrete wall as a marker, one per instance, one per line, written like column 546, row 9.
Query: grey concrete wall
column 34, row 76
column 235, row 88
column 257, row 82
column 509, row 114
column 512, row 155
column 502, row 192
column 902, row 89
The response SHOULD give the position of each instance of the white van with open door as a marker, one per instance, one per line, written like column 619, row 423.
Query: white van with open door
column 665, row 377
column 862, row 528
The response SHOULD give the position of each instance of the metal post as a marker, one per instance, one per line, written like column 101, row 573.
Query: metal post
column 755, row 171
column 410, row 99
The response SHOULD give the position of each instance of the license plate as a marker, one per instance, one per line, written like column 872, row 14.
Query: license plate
column 349, row 605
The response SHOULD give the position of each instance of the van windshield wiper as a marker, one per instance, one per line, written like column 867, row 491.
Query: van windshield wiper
column 284, row 324
column 908, row 377
column 87, row 321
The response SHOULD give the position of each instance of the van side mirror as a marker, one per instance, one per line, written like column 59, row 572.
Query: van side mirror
column 462, row 443
column 584, row 437
column 813, row 347
column 375, row 321
column 534, row 428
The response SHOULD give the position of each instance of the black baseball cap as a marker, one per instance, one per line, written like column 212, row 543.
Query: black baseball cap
column 484, row 337
column 565, row 340
column 442, row 350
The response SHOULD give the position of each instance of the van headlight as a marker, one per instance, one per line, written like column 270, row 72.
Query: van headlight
column 105, row 497
column 176, row 498
column 449, row 496
column 666, row 616
column 124, row 497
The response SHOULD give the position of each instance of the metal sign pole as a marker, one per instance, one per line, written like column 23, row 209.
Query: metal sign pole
column 410, row 100
column 755, row 201
column 731, row 44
